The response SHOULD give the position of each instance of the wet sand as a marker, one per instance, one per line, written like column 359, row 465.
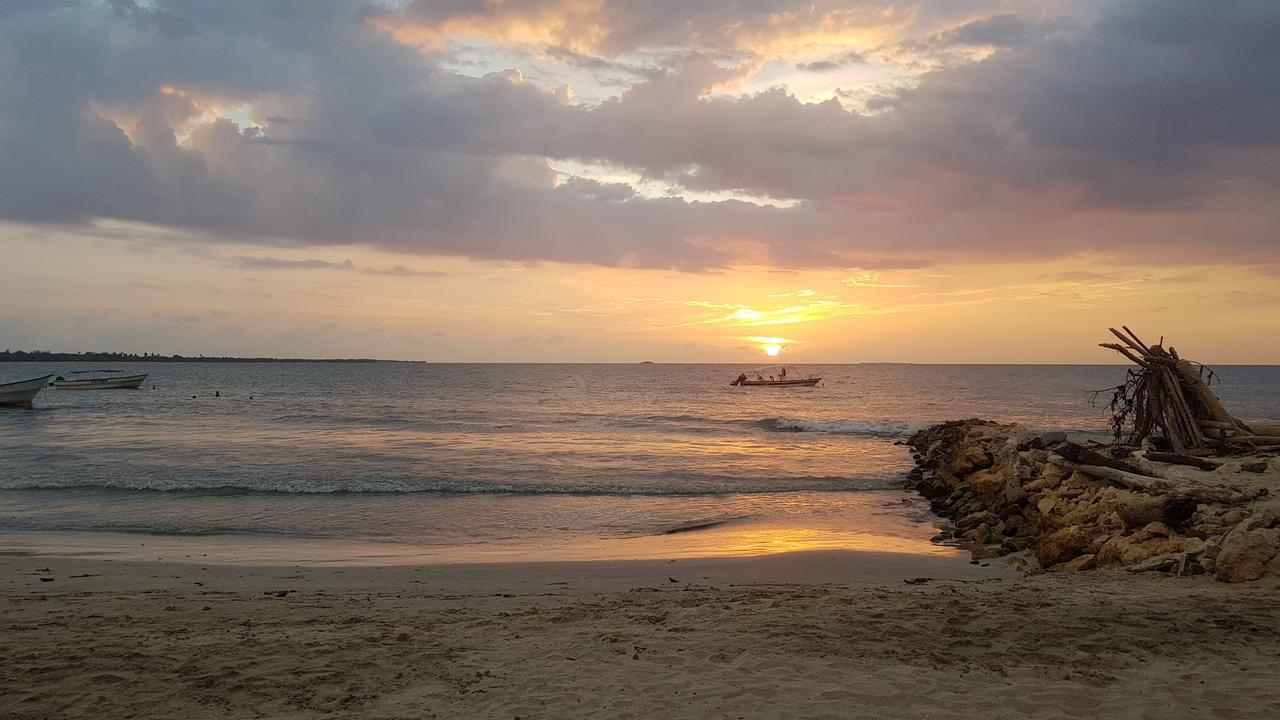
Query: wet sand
column 809, row 634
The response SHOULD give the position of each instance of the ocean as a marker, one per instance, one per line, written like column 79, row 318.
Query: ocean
column 517, row 462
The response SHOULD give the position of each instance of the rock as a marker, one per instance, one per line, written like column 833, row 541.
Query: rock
column 1254, row 467
column 1267, row 514
column 1155, row 529
column 1076, row 564
column 987, row 484
column 1046, row 504
column 1246, row 551
column 1016, row 544
column 970, row 458
column 1137, row 510
column 968, row 522
column 1012, row 523
column 1124, row 550
column 1061, row 545
column 980, row 534
column 1045, row 439
column 1160, row 563
column 987, row 552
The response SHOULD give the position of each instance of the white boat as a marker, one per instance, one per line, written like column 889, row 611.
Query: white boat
column 21, row 393
column 775, row 376
column 99, row 380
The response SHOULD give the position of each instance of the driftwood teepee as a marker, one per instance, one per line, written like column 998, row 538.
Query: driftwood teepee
column 1169, row 394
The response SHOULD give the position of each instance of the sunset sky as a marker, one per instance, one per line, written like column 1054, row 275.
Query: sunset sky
column 622, row 180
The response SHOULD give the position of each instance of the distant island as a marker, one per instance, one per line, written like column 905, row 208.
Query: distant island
column 119, row 357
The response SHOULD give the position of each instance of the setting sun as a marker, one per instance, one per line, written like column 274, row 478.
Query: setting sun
column 772, row 350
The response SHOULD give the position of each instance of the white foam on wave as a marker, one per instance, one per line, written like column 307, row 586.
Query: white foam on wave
column 695, row 487
column 869, row 428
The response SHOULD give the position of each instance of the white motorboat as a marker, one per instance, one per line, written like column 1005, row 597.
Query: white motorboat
column 776, row 376
column 99, row 380
column 22, row 392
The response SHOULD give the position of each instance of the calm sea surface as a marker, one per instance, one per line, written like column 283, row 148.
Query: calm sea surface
column 516, row 456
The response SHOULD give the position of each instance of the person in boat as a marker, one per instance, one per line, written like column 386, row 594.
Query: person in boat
column 784, row 373
column 741, row 379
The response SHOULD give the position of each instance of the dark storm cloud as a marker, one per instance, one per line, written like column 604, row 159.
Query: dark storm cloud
column 1068, row 137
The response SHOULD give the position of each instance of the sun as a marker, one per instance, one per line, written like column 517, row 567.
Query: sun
column 772, row 350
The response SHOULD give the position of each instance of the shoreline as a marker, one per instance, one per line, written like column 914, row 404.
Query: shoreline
column 52, row 574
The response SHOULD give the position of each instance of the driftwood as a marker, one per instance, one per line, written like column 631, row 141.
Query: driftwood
column 1170, row 396
column 1189, row 460
column 1145, row 483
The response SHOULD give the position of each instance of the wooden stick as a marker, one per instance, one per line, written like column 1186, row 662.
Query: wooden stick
column 1257, row 439
column 1174, row 459
column 1193, row 491
column 1125, row 351
column 1134, row 335
column 1127, row 341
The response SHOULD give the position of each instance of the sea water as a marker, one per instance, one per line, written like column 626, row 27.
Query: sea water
column 511, row 461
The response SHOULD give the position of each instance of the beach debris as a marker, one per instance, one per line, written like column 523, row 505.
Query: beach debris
column 917, row 581
column 1171, row 395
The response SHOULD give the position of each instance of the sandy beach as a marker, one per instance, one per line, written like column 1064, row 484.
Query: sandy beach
column 813, row 635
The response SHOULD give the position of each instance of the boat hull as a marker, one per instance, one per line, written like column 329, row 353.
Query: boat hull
column 131, row 382
column 805, row 382
column 21, row 393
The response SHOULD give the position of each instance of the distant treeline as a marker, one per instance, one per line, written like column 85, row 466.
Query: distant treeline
column 118, row 357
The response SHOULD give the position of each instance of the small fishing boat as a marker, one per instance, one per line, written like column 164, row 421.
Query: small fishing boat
column 22, row 392
column 100, row 380
column 775, row 376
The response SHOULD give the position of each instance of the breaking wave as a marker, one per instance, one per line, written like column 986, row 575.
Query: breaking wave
column 866, row 428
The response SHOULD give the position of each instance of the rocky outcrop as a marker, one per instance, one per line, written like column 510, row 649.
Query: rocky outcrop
column 1081, row 506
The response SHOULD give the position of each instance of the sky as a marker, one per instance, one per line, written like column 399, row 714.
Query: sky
column 624, row 180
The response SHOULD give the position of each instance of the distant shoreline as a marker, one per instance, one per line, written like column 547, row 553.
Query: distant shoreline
column 98, row 357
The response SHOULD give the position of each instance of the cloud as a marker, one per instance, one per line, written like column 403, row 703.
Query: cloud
column 402, row 271
column 831, row 65
column 1139, row 130
column 270, row 263
column 870, row 280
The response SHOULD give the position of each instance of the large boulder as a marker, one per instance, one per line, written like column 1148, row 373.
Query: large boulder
column 1126, row 550
column 1061, row 545
column 1246, row 553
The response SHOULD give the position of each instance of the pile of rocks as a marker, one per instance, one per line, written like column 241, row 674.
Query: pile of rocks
column 1077, row 507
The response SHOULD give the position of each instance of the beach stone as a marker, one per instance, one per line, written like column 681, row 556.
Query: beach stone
column 1061, row 545
column 988, row 483
column 1076, row 564
column 1161, row 563
column 1159, row 528
column 968, row 522
column 1016, row 544
column 980, row 534
column 1046, row 504
column 1246, row 552
column 1232, row 518
column 1267, row 514
column 1124, row 550
column 988, row 552
column 970, row 458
